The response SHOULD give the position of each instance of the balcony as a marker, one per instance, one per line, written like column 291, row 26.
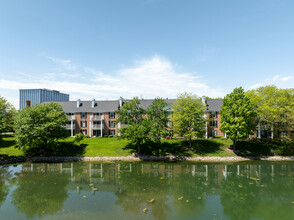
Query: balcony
column 97, row 126
column 68, row 126
column 71, row 117
column 97, row 117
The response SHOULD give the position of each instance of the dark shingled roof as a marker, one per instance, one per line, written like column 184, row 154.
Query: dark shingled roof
column 86, row 106
column 214, row 105
column 112, row 105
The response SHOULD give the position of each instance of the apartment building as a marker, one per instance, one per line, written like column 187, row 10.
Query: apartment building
column 97, row 118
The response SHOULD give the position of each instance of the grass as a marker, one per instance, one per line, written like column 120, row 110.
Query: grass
column 103, row 147
column 115, row 147
column 7, row 147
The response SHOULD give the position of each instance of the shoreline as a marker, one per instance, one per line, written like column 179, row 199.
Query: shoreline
column 59, row 159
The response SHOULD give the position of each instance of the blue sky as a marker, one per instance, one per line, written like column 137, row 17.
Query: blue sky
column 107, row 49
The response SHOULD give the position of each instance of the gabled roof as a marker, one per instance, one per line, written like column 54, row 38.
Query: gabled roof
column 112, row 105
column 86, row 106
column 214, row 105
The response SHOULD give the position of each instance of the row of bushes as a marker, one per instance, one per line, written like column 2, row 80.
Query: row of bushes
column 110, row 136
column 281, row 147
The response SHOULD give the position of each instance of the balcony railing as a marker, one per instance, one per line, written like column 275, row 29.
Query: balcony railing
column 97, row 126
column 71, row 117
column 68, row 126
column 97, row 117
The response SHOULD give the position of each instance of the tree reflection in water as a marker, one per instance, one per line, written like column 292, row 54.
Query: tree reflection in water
column 5, row 175
column 39, row 193
column 166, row 190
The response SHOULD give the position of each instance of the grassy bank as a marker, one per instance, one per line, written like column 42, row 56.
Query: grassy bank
column 114, row 147
column 8, row 147
column 92, row 147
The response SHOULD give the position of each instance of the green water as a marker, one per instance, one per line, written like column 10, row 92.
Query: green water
column 255, row 190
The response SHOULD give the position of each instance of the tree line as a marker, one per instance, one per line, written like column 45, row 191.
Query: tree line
column 39, row 128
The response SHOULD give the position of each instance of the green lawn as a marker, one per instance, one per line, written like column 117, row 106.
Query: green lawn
column 103, row 147
column 7, row 147
column 114, row 147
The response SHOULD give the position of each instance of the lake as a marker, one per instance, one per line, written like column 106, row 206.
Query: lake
column 146, row 190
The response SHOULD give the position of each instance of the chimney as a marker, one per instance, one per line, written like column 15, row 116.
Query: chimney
column 78, row 103
column 120, row 101
column 203, row 100
column 28, row 103
column 93, row 103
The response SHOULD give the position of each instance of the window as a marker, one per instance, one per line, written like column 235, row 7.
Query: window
column 213, row 124
column 111, row 124
column 84, row 131
column 282, row 134
column 83, row 124
column 168, row 175
column 282, row 124
column 168, row 167
column 213, row 132
column 111, row 132
column 213, row 115
column 154, row 166
column 83, row 114
column 111, row 115
column 111, row 172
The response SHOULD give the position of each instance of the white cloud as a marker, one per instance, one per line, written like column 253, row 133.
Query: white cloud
column 255, row 86
column 286, row 78
column 149, row 78
column 280, row 82
column 276, row 77
column 67, row 64
column 279, row 78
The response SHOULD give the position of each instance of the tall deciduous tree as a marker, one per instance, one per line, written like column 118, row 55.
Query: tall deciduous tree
column 188, row 116
column 237, row 116
column 38, row 128
column 7, row 113
column 134, row 127
column 157, row 119
column 275, row 107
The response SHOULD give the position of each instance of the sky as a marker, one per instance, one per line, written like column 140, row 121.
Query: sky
column 146, row 48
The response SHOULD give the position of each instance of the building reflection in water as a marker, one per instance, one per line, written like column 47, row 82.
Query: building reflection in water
column 244, row 190
column 110, row 173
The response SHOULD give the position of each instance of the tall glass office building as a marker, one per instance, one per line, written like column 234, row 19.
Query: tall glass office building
column 37, row 96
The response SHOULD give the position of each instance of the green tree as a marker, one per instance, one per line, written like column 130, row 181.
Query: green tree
column 157, row 119
column 275, row 107
column 237, row 116
column 38, row 128
column 7, row 113
column 188, row 116
column 134, row 127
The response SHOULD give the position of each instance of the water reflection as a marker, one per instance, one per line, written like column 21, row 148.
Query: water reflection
column 260, row 190
column 4, row 186
column 40, row 193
